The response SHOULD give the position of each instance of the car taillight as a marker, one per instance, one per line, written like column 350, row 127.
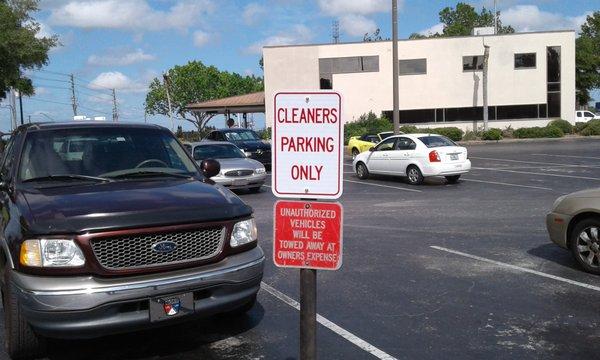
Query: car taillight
column 434, row 156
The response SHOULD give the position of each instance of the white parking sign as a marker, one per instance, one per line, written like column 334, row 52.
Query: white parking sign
column 307, row 145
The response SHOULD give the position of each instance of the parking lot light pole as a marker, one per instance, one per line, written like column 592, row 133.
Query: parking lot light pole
column 486, row 55
column 396, row 110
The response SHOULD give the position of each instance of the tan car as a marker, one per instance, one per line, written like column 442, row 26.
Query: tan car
column 574, row 224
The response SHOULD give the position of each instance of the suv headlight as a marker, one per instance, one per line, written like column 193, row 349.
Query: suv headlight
column 248, row 153
column 261, row 170
column 51, row 253
column 244, row 232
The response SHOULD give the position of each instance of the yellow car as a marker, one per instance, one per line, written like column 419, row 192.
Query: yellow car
column 358, row 144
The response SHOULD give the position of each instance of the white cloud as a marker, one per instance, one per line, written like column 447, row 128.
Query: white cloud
column 531, row 18
column 201, row 38
column 116, row 80
column 252, row 13
column 118, row 57
column 362, row 7
column 130, row 15
column 437, row 28
column 357, row 25
column 298, row 34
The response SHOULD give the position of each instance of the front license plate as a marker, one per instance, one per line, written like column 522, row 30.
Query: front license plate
column 240, row 182
column 171, row 306
column 454, row 157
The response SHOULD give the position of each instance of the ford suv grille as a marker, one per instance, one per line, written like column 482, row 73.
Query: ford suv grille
column 173, row 248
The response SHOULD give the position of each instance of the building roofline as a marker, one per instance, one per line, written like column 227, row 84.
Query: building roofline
column 429, row 38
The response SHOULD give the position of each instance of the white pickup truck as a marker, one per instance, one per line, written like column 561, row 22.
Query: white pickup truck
column 585, row 115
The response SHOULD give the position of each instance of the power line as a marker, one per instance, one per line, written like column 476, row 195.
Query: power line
column 48, row 101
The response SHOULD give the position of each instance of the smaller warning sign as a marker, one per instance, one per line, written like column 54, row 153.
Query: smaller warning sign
column 308, row 235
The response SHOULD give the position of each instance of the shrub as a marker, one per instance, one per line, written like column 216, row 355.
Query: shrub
column 470, row 135
column 564, row 125
column 366, row 123
column 453, row 133
column 592, row 128
column 508, row 132
column 539, row 132
column 265, row 134
column 492, row 134
column 409, row 129
column 579, row 126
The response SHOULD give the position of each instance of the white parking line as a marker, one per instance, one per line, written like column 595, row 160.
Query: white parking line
column 384, row 186
column 380, row 354
column 569, row 156
column 507, row 184
column 531, row 162
column 519, row 268
column 535, row 173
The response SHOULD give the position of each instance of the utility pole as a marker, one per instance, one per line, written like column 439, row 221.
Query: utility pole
column 495, row 19
column 166, row 84
column 395, row 64
column 115, row 113
column 73, row 97
column 13, row 109
column 486, row 56
column 21, row 106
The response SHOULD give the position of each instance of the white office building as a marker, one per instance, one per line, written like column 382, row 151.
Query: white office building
column 531, row 78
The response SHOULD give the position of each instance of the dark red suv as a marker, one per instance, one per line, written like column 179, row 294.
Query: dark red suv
column 109, row 228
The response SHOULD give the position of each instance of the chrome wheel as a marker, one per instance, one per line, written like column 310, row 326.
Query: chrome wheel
column 361, row 171
column 354, row 153
column 413, row 175
column 588, row 247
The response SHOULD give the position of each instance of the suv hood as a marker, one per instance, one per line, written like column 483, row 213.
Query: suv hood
column 252, row 145
column 128, row 204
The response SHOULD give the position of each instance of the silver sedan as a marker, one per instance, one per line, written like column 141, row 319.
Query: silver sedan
column 237, row 171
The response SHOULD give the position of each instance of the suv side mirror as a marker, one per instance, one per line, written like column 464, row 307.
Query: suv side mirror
column 210, row 167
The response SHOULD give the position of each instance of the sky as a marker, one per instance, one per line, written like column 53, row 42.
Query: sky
column 124, row 44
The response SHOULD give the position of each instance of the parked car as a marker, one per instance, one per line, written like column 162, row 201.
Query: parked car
column 247, row 140
column 574, row 224
column 237, row 170
column 358, row 144
column 415, row 156
column 584, row 115
column 133, row 235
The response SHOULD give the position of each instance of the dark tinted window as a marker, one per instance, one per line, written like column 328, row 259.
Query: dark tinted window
column 413, row 67
column 241, row 135
column 553, row 104
column 524, row 61
column 553, row 58
column 217, row 151
column 517, row 112
column 405, row 144
column 8, row 159
column 473, row 63
column 436, row 141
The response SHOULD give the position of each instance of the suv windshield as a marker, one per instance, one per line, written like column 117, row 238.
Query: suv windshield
column 217, row 151
column 436, row 141
column 241, row 135
column 101, row 152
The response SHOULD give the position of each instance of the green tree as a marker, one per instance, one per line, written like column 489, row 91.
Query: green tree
column 20, row 49
column 196, row 82
column 587, row 58
column 461, row 20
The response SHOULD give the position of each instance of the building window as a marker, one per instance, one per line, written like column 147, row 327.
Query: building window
column 413, row 67
column 525, row 61
column 553, row 79
column 345, row 65
column 473, row 63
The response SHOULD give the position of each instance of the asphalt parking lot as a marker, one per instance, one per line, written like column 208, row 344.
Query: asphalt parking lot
column 435, row 271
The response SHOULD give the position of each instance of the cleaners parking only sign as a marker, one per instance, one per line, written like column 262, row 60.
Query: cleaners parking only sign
column 307, row 145
column 308, row 235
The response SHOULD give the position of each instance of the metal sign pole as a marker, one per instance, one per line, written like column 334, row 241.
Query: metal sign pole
column 308, row 314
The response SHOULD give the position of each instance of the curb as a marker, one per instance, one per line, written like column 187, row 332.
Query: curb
column 511, row 141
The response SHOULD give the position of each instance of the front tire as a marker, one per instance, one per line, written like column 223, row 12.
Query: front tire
column 20, row 341
column 355, row 153
column 361, row 171
column 452, row 179
column 414, row 175
column 585, row 245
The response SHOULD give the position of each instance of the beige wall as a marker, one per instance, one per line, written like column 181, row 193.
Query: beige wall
column 444, row 86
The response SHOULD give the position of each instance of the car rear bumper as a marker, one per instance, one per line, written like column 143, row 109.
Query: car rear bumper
column 85, row 307
column 447, row 169
column 557, row 225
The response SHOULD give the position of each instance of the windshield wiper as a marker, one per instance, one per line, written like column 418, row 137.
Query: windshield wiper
column 146, row 173
column 64, row 177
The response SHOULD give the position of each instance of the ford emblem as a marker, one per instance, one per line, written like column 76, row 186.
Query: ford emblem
column 164, row 247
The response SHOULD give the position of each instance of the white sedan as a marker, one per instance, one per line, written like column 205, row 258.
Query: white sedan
column 415, row 156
